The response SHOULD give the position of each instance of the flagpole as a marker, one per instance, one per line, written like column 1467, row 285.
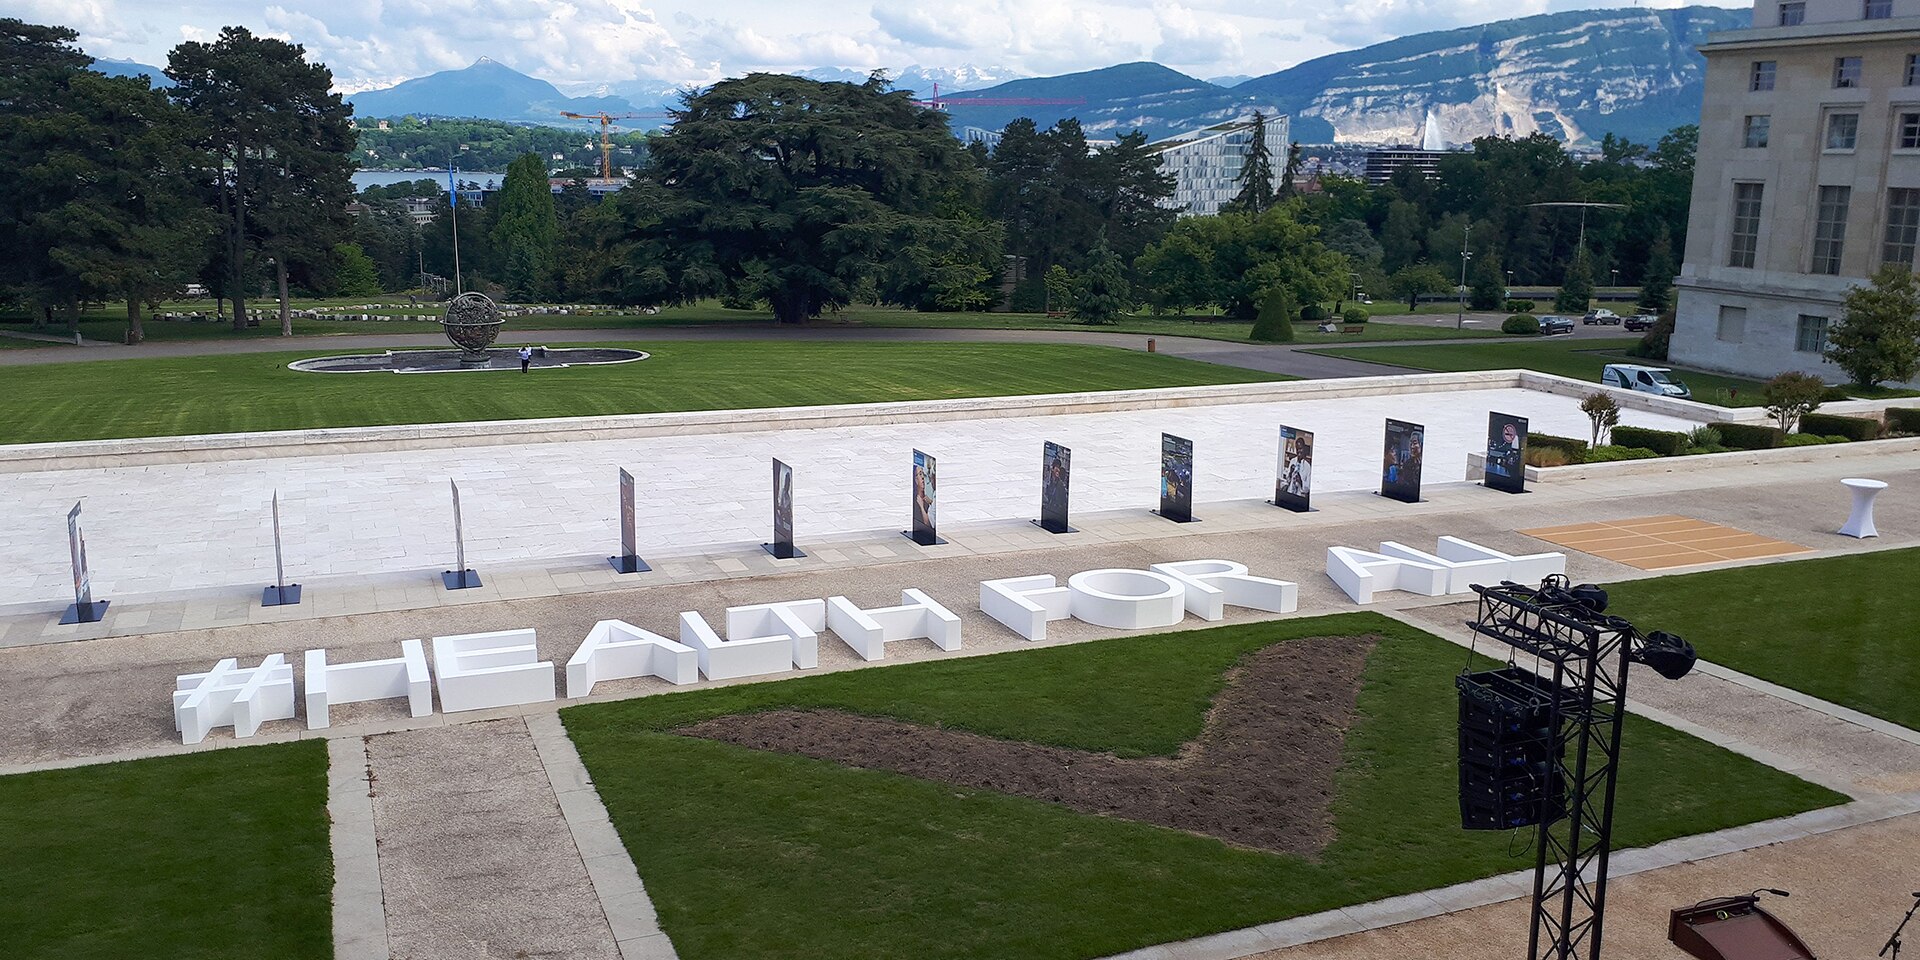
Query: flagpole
column 453, row 197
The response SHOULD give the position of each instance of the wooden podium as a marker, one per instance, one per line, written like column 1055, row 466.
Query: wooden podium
column 1734, row 928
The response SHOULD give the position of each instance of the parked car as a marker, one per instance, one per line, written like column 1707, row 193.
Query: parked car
column 1641, row 321
column 1654, row 380
column 1600, row 316
column 1552, row 325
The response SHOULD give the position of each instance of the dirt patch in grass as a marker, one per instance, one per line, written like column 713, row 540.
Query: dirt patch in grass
column 1260, row 775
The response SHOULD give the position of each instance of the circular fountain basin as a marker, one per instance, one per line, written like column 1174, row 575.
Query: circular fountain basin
column 454, row 361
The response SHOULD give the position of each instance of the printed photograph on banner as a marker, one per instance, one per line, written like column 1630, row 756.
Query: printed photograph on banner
column 1176, row 477
column 1294, row 487
column 782, row 505
column 1056, row 465
column 923, row 497
column 1506, row 464
column 1400, row 468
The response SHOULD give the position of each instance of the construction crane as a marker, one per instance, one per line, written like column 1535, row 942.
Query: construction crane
column 938, row 102
column 606, row 120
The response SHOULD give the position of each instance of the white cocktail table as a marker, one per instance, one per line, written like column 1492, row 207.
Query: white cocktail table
column 1860, row 521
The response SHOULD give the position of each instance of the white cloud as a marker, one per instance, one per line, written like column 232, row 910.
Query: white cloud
column 1190, row 38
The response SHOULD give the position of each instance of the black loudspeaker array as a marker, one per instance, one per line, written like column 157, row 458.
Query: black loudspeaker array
column 1508, row 747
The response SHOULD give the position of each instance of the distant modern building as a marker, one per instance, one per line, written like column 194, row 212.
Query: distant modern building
column 1383, row 163
column 1807, row 180
column 1206, row 163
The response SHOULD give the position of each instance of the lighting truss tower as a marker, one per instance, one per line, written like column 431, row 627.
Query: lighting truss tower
column 1589, row 654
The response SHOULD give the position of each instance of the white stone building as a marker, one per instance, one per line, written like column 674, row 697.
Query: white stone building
column 1807, row 180
column 1205, row 163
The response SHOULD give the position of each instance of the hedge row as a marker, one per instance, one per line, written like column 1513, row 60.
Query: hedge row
column 1746, row 436
column 1904, row 419
column 1666, row 443
column 1829, row 425
column 1576, row 450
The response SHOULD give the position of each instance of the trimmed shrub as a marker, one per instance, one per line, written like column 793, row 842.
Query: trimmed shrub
column 1612, row 452
column 1703, row 437
column 1275, row 322
column 1520, row 325
column 1853, row 428
column 1547, row 457
column 1808, row 440
column 1519, row 306
column 1748, row 436
column 1835, row 395
column 1904, row 419
column 1576, row 450
column 1313, row 313
column 1355, row 315
column 1667, row 443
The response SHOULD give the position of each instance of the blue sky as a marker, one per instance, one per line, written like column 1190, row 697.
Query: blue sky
column 580, row 43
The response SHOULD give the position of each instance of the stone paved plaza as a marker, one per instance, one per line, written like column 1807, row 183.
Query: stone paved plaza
column 170, row 527
column 479, row 834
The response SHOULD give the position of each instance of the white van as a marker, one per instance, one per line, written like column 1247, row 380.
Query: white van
column 1653, row 380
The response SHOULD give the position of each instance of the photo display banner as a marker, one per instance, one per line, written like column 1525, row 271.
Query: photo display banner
column 782, row 545
column 460, row 577
column 1294, row 488
column 629, row 559
column 1176, row 478
column 1400, row 469
column 1506, row 467
column 1056, row 464
column 924, row 501
column 77, row 546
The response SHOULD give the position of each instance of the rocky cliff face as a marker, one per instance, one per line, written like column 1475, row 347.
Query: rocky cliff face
column 1575, row 76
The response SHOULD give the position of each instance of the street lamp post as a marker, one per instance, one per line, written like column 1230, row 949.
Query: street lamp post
column 1466, row 254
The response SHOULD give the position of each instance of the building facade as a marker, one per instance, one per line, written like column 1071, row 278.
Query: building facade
column 1807, row 180
column 1206, row 163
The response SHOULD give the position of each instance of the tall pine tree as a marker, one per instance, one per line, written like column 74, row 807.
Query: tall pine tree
column 1256, row 172
column 525, row 229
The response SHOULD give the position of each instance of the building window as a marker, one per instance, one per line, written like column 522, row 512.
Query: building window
column 1757, row 130
column 1810, row 336
column 1793, row 14
column 1912, row 77
column 1842, row 130
column 1903, row 226
column 1876, row 9
column 1846, row 72
column 1733, row 325
column 1830, row 229
column 1909, row 131
column 1746, row 223
column 1763, row 71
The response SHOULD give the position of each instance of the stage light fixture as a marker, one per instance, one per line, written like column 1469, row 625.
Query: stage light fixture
column 1668, row 655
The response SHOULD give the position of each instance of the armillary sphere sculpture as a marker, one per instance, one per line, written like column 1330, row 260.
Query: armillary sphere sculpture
column 472, row 322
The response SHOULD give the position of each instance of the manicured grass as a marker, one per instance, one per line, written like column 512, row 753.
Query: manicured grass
column 109, row 324
column 222, row 854
column 1839, row 628
column 1579, row 359
column 751, row 854
column 225, row 394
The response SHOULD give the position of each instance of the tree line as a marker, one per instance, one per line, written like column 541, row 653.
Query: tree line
column 768, row 190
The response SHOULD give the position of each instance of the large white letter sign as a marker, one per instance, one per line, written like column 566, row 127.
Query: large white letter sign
column 1213, row 584
column 1360, row 573
column 726, row 659
column 1461, row 574
column 618, row 650
column 869, row 631
column 230, row 696
column 1024, row 604
column 800, row 619
column 368, row 680
column 1530, row 568
column 481, row 670
column 1126, row 599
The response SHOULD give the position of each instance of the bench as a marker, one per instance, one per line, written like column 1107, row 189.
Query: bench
column 1353, row 329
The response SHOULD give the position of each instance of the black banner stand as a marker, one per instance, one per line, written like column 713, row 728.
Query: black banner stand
column 782, row 547
column 84, row 609
column 461, row 577
column 1507, row 447
column 923, row 489
column 629, row 559
column 281, row 593
column 1176, row 480
column 1056, row 469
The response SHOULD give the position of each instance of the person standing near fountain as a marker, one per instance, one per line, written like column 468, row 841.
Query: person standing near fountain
column 526, row 358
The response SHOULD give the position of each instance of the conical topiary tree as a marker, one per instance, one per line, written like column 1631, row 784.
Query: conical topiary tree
column 1274, row 323
column 1101, row 293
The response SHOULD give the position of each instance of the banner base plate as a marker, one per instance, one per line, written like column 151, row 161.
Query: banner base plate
column 85, row 613
column 1276, row 503
column 1174, row 519
column 630, row 564
column 280, row 596
column 792, row 552
column 934, row 541
column 460, row 579
column 1052, row 530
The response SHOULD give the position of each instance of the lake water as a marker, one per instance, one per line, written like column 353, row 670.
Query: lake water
column 363, row 179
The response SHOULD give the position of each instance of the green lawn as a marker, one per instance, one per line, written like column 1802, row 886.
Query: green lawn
column 224, row 394
column 222, row 854
column 1579, row 359
column 751, row 855
column 1840, row 628
column 109, row 323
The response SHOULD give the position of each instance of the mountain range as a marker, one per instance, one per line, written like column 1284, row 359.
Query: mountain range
column 1575, row 75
